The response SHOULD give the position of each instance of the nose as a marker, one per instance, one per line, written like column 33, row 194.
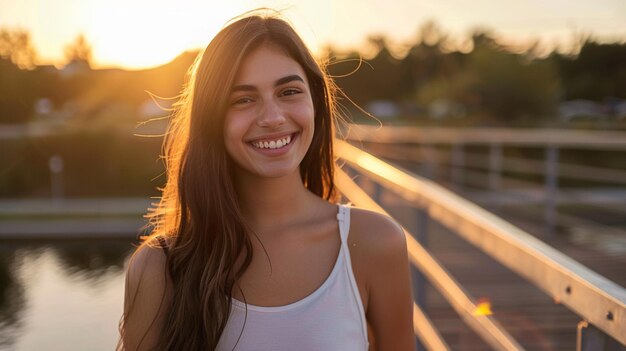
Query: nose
column 270, row 115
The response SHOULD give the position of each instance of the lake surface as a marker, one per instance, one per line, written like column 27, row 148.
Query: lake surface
column 61, row 295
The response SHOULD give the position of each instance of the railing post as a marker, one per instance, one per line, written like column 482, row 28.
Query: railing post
column 377, row 192
column 458, row 163
column 551, row 187
column 419, row 281
column 590, row 338
column 428, row 163
column 495, row 166
column 372, row 187
column 55, row 163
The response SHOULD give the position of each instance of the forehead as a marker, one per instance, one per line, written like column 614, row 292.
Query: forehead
column 265, row 65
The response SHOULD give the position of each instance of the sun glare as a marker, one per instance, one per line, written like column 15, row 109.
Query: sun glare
column 148, row 33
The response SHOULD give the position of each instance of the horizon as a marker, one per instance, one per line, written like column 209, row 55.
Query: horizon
column 150, row 34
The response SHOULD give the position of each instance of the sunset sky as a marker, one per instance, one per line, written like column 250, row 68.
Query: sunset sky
column 142, row 33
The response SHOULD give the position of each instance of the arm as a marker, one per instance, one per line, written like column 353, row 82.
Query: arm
column 390, row 303
column 148, row 292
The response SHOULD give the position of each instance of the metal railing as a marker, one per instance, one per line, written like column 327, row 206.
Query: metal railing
column 452, row 148
column 597, row 300
column 604, row 140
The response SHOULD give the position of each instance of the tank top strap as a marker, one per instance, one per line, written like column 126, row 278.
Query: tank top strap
column 343, row 216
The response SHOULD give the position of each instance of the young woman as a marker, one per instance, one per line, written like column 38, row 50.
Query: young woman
column 250, row 250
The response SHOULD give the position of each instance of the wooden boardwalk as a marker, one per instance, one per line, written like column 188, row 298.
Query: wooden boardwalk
column 528, row 314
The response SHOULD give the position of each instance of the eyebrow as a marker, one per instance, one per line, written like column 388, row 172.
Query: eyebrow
column 281, row 81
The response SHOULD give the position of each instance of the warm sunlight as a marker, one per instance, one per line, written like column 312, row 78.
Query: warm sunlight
column 477, row 149
column 160, row 33
column 136, row 34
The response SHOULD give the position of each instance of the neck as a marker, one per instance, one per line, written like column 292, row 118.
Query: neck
column 270, row 202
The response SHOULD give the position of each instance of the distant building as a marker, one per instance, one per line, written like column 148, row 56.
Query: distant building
column 581, row 109
column 383, row 109
column 445, row 108
column 43, row 107
column 73, row 68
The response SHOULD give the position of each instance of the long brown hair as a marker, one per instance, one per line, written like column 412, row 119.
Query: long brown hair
column 198, row 211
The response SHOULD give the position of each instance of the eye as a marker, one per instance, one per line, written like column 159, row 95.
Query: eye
column 291, row 91
column 242, row 100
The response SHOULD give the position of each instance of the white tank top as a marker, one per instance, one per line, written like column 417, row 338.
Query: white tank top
column 331, row 318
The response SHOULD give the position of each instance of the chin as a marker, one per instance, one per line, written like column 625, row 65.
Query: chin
column 270, row 171
column 276, row 173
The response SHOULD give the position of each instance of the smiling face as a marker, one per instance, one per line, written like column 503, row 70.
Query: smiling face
column 270, row 119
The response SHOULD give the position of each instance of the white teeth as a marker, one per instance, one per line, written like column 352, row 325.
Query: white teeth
column 272, row 144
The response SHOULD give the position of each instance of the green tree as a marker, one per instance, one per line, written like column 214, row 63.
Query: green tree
column 509, row 87
column 16, row 46
column 598, row 71
column 18, row 88
column 79, row 51
column 381, row 78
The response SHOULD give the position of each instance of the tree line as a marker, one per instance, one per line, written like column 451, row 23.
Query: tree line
column 490, row 80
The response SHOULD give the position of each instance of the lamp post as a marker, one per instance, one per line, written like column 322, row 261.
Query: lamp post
column 55, row 163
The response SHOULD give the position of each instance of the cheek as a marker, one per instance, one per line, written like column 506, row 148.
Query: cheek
column 307, row 120
column 303, row 115
column 234, row 131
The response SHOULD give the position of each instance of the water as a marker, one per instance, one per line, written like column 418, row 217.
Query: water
column 61, row 295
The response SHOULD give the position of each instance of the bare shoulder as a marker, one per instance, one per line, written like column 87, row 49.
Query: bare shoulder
column 377, row 245
column 376, row 233
column 380, row 246
column 147, row 263
column 148, row 292
column 147, row 278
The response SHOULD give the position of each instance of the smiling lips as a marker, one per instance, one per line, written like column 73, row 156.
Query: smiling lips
column 272, row 144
